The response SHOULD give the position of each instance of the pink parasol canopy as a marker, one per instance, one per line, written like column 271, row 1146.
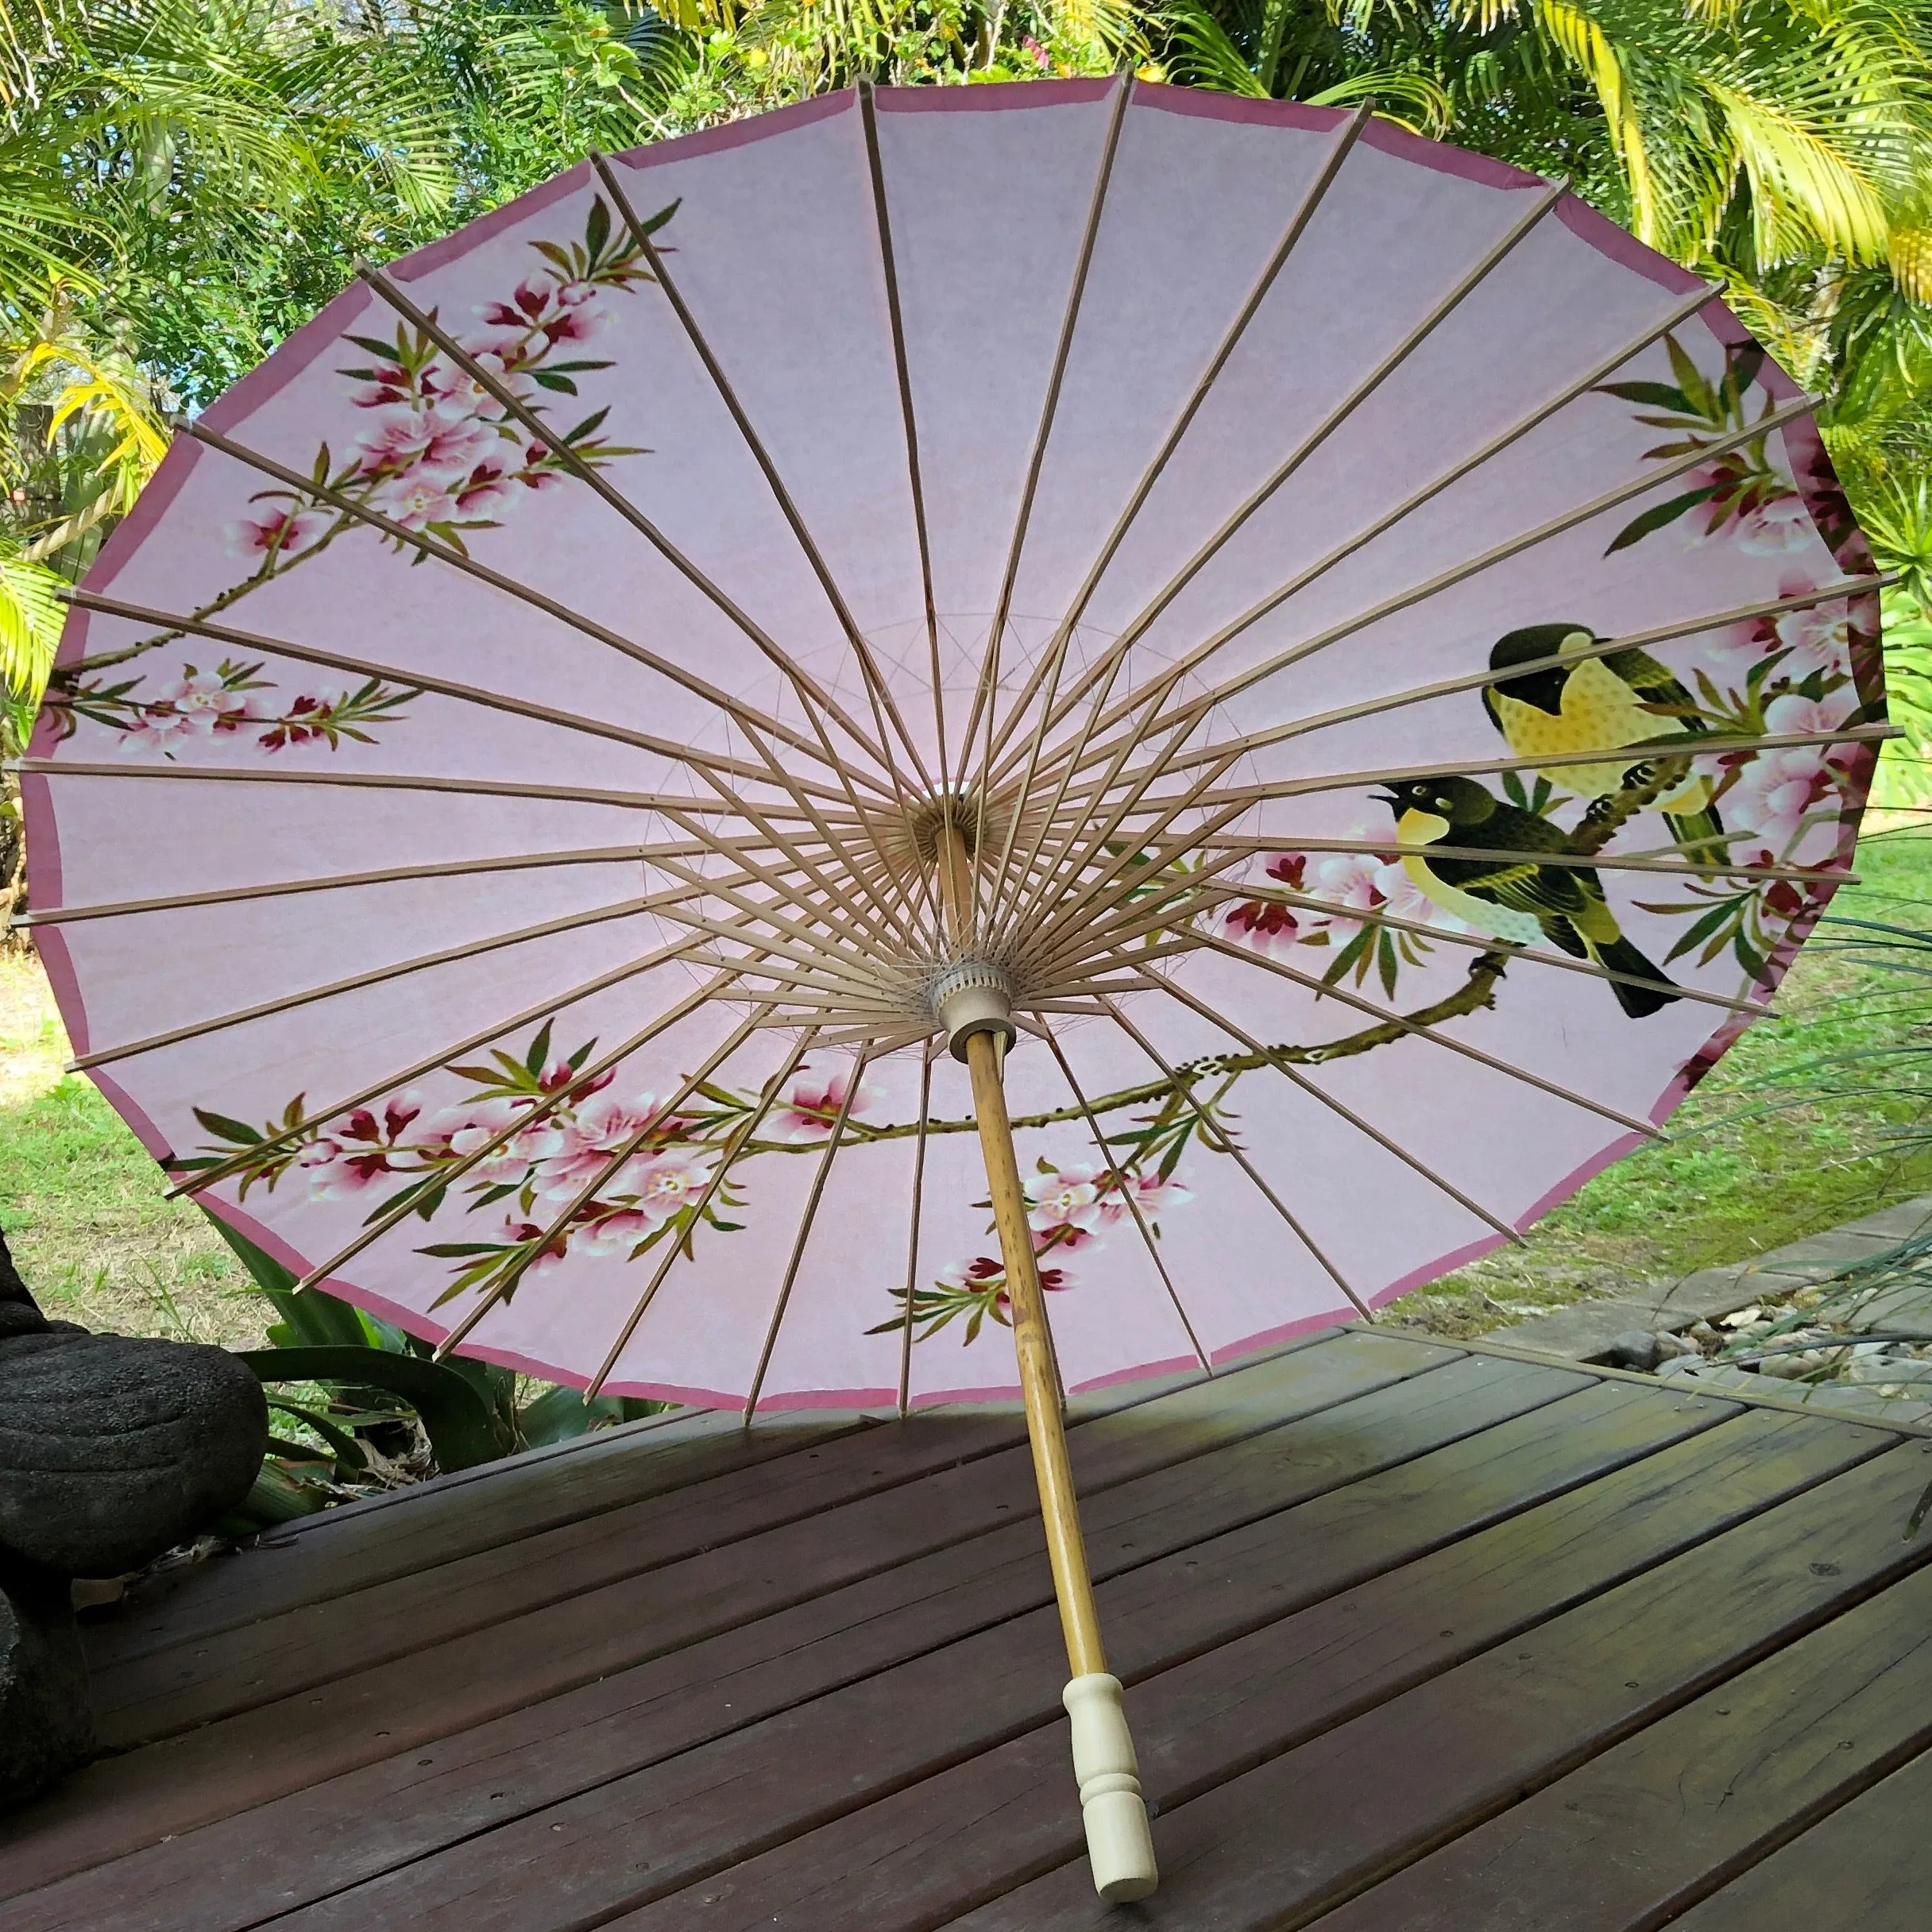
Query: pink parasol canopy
column 488, row 819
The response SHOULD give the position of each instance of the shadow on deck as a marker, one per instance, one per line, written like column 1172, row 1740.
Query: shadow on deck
column 1417, row 1640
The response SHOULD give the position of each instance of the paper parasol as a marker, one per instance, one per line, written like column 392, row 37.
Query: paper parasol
column 1333, row 679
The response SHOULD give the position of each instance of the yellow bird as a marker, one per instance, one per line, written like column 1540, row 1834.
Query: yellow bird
column 1624, row 699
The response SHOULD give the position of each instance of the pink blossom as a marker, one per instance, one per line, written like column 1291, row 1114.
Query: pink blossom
column 155, row 732
column 402, row 441
column 201, row 699
column 808, row 1111
column 590, row 1136
column 515, row 1233
column 488, row 487
column 671, row 1181
column 613, row 1234
column 1347, row 881
column 1266, row 925
column 526, row 307
column 1154, row 1196
column 1402, row 898
column 415, row 499
column 462, row 1129
column 1776, row 527
column 1778, row 791
column 580, row 322
column 275, row 532
column 1818, row 640
column 1065, row 1203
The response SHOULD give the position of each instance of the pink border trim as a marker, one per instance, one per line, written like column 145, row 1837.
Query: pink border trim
column 738, row 134
column 999, row 97
column 425, row 261
column 321, row 331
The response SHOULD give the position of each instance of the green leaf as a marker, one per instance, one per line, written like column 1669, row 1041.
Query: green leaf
column 1659, row 514
column 223, row 1128
column 1657, row 395
column 461, row 1430
column 597, row 230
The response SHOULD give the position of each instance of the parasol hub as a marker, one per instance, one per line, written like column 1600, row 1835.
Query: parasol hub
column 973, row 996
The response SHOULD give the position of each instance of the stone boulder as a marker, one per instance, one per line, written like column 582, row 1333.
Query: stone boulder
column 112, row 1450
column 45, row 1726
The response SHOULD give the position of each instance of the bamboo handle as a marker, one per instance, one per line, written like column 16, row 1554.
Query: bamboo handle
column 1119, row 1846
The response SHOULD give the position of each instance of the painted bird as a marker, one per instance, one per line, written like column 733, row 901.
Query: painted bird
column 1514, row 898
column 1600, row 701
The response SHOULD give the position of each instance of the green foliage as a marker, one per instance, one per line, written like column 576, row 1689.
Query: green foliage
column 374, row 1387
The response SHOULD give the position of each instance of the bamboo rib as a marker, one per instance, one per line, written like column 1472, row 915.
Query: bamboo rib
column 744, row 1131
column 754, row 723
column 338, row 882
column 1458, row 292
column 1322, row 989
column 505, row 1285
column 1340, row 1109
column 1584, row 862
column 1602, row 648
column 805, row 1222
column 374, row 781
column 912, row 1237
column 879, row 693
column 1127, row 1196
column 473, row 948
column 817, row 943
column 545, row 1009
column 1557, row 526
column 424, row 545
column 868, row 118
column 441, row 687
column 1273, row 791
column 1181, row 723
column 869, row 929
column 1297, row 226
column 986, row 690
column 1489, row 943
column 810, row 691
column 1711, row 744
column 1678, row 313
column 1227, row 1144
column 379, row 1224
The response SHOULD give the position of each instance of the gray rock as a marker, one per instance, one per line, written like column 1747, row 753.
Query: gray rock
column 114, row 1449
column 1635, row 1348
column 45, row 1728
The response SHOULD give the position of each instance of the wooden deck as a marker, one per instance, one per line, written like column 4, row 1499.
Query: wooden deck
column 1417, row 1639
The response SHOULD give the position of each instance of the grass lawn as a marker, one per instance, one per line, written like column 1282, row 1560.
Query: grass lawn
column 81, row 1202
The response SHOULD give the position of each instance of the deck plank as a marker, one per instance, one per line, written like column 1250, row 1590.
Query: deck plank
column 1627, row 1839
column 578, row 1862
column 991, row 1825
column 1388, row 1787
column 370, row 1715
column 190, row 1684
column 340, row 1551
column 1866, row 1868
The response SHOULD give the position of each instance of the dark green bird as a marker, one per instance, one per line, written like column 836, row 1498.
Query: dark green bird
column 1510, row 897
column 1600, row 702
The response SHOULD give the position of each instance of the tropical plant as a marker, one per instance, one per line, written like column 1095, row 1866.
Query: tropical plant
column 373, row 1408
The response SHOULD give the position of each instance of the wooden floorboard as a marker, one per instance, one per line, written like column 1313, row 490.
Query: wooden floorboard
column 1415, row 1638
column 370, row 1714
column 1390, row 1786
column 322, row 1557
column 1340, row 1644
column 1625, row 1839
column 1865, row 1868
